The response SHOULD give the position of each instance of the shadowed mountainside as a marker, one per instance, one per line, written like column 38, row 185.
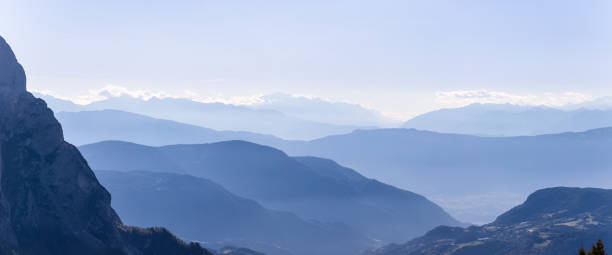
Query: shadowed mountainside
column 198, row 209
column 448, row 167
column 551, row 221
column 331, row 193
column 50, row 201
column 409, row 158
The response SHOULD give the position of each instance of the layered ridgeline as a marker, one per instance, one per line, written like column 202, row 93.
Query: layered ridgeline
column 512, row 120
column 551, row 221
column 405, row 158
column 217, row 116
column 312, row 188
column 199, row 209
column 50, row 200
column 87, row 127
column 459, row 172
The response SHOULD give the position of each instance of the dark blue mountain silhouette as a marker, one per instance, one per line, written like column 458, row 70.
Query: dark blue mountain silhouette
column 330, row 193
column 408, row 158
column 198, row 209
column 551, row 221
column 449, row 166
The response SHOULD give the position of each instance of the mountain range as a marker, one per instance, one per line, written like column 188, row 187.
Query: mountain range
column 312, row 188
column 405, row 158
column 323, row 111
column 87, row 127
column 513, row 120
column 551, row 221
column 217, row 116
column 301, row 118
column 198, row 209
column 453, row 169
column 200, row 172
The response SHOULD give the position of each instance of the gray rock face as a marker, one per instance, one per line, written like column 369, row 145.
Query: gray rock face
column 12, row 75
column 50, row 200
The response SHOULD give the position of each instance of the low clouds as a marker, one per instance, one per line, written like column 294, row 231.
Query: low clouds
column 442, row 99
column 110, row 91
column 464, row 97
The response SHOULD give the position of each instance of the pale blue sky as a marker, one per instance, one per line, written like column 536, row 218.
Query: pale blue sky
column 394, row 56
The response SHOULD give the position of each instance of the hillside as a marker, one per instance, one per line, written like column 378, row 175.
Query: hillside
column 280, row 182
column 459, row 164
column 198, row 209
column 551, row 221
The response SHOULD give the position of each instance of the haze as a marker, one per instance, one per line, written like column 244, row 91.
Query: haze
column 401, row 58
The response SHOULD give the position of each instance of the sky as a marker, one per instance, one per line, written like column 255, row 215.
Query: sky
column 401, row 58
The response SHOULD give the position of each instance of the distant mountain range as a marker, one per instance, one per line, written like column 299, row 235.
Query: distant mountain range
column 198, row 209
column 260, row 119
column 406, row 158
column 301, row 118
column 513, row 120
column 600, row 103
column 322, row 111
column 231, row 250
column 94, row 126
column 312, row 188
column 551, row 221
column 448, row 167
column 409, row 157
column 237, row 192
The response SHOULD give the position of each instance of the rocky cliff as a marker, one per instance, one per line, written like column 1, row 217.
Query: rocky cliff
column 50, row 200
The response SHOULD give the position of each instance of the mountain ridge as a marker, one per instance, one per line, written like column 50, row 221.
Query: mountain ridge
column 199, row 209
column 511, row 120
column 87, row 127
column 380, row 211
column 413, row 158
column 394, row 156
column 556, row 220
column 217, row 116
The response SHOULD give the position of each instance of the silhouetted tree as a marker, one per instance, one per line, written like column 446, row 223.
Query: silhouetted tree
column 597, row 249
column 582, row 251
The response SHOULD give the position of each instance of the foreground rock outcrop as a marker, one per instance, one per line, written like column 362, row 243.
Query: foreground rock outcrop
column 50, row 200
